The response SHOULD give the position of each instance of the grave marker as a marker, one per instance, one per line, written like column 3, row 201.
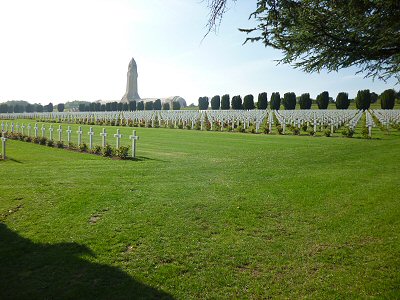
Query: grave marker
column 59, row 133
column 79, row 132
column 51, row 132
column 3, row 146
column 118, row 137
column 90, row 133
column 134, row 138
column 69, row 131
column 103, row 137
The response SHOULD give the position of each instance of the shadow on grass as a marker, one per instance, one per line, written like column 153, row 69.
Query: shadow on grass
column 43, row 271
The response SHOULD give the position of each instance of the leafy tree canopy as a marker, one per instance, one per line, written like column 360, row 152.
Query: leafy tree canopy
column 319, row 34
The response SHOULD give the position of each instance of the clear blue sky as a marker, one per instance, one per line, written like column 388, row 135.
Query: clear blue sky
column 68, row 50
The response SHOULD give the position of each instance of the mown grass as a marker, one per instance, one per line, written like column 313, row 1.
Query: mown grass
column 203, row 215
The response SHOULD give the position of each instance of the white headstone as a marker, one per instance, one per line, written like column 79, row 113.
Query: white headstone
column 103, row 137
column 90, row 133
column 3, row 146
column 69, row 131
column 79, row 132
column 51, row 132
column 118, row 137
column 134, row 138
column 59, row 130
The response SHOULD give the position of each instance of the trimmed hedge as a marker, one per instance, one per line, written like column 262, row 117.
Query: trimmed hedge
column 342, row 101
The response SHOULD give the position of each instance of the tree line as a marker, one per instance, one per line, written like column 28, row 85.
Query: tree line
column 289, row 101
column 93, row 106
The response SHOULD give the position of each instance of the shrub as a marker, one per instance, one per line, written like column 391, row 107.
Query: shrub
column 97, row 149
column 311, row 132
column 36, row 140
column 275, row 102
column 215, row 102
column 348, row 132
column 107, row 151
column 240, row 128
column 157, row 104
column 365, row 133
column 122, row 152
column 304, row 127
column 323, row 100
column 289, row 101
column 363, row 99
column 262, row 101
column 388, row 98
column 225, row 102
column 248, row 102
column 280, row 129
column 60, row 144
column 43, row 140
column 203, row 103
column 305, row 101
column 296, row 131
column 342, row 101
column 236, row 102
column 327, row 132
column 176, row 105
column 50, row 143
column 149, row 105
column 72, row 146
column 83, row 147
column 28, row 139
column 165, row 106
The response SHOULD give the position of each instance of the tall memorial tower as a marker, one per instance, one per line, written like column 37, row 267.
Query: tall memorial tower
column 131, row 84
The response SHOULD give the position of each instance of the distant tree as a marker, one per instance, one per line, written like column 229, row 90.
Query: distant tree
column 103, row 107
column 49, row 107
column 98, row 106
column 148, row 105
column 363, row 99
column 262, row 101
column 140, row 106
column 125, row 107
column 236, row 102
column 216, row 102
column 10, row 109
column 323, row 100
column 387, row 99
column 203, row 103
column 82, row 107
column 120, row 106
column 289, row 101
column 342, row 101
column 305, row 101
column 225, row 102
column 17, row 108
column 108, row 106
column 114, row 106
column 92, row 106
column 39, row 107
column 248, row 102
column 132, row 105
column 29, row 108
column 157, row 104
column 3, row 108
column 165, row 106
column 60, row 107
column 176, row 105
column 275, row 102
column 374, row 97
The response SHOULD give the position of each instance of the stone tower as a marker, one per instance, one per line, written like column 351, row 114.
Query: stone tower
column 131, row 84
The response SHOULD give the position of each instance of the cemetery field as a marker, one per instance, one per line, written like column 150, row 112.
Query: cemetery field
column 202, row 215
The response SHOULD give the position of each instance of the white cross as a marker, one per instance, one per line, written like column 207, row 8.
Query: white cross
column 12, row 127
column 22, row 128
column 134, row 138
column 3, row 145
column 51, row 132
column 90, row 133
column 118, row 137
column 69, row 131
column 104, row 136
column 36, row 130
column 59, row 133
column 43, row 130
column 17, row 126
column 79, row 132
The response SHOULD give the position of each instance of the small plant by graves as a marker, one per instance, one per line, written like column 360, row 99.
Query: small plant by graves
column 327, row 132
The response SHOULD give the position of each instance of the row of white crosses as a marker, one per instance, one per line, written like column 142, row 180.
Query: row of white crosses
column 103, row 134
column 387, row 116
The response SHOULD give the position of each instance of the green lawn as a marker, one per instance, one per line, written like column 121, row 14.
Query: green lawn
column 203, row 215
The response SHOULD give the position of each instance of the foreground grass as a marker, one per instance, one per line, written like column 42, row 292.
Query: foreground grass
column 203, row 215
